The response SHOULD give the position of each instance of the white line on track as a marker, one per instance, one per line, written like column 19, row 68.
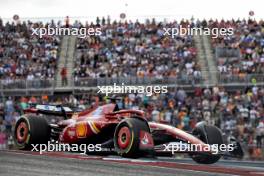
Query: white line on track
column 130, row 160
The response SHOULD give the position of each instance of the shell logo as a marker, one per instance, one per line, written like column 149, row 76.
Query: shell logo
column 81, row 130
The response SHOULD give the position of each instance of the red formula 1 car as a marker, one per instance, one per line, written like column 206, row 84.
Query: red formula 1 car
column 125, row 132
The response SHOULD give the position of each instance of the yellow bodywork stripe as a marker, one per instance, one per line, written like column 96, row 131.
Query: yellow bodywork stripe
column 93, row 127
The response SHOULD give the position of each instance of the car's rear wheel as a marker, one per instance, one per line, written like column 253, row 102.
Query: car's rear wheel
column 209, row 135
column 127, row 137
column 31, row 130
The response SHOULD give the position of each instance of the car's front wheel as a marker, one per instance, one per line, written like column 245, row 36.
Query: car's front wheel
column 210, row 135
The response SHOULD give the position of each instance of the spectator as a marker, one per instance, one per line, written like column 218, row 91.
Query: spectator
column 260, row 134
column 155, row 115
column 3, row 139
column 9, row 110
column 63, row 74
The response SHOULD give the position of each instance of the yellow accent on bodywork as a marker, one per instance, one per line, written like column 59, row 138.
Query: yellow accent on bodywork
column 95, row 127
column 81, row 130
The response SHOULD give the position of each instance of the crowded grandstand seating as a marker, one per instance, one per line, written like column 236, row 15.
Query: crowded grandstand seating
column 26, row 57
column 137, row 50
column 240, row 57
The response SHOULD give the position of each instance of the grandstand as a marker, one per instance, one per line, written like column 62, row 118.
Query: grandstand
column 26, row 61
column 130, row 53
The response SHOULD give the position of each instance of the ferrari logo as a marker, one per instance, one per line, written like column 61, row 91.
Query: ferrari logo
column 145, row 140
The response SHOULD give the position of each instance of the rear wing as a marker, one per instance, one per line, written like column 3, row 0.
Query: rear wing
column 53, row 108
column 57, row 110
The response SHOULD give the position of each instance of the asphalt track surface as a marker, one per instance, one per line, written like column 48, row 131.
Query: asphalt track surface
column 16, row 163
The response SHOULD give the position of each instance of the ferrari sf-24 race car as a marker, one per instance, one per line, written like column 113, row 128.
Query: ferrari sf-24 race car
column 124, row 132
